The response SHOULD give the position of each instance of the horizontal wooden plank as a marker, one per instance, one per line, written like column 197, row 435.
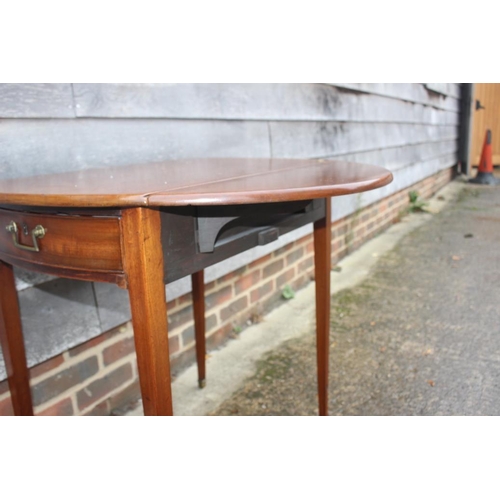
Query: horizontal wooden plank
column 447, row 89
column 325, row 139
column 36, row 100
column 29, row 147
column 412, row 92
column 404, row 177
column 56, row 316
column 39, row 146
column 256, row 101
column 409, row 175
column 403, row 156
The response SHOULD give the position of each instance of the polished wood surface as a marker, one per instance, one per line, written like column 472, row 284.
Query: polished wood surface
column 71, row 242
column 198, row 285
column 11, row 341
column 322, row 266
column 195, row 182
column 143, row 262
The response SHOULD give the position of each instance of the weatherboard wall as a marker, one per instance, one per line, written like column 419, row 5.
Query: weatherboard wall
column 411, row 129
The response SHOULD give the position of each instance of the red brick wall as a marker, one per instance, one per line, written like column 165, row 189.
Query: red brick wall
column 100, row 376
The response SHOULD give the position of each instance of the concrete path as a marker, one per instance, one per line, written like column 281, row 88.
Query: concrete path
column 415, row 327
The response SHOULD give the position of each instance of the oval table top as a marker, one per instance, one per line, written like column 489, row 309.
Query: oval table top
column 214, row 181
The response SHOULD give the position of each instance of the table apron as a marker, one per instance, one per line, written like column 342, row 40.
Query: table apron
column 188, row 232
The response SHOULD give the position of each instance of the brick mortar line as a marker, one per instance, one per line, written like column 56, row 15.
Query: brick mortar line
column 257, row 285
column 73, row 391
column 92, row 351
column 216, row 310
column 247, row 310
column 74, row 403
column 131, row 356
column 100, row 361
column 108, row 395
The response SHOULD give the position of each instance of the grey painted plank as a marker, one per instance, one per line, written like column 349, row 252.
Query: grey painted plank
column 409, row 175
column 254, row 101
column 403, row 156
column 36, row 100
column 320, row 139
column 413, row 92
column 404, row 177
column 29, row 147
column 451, row 89
column 56, row 316
column 447, row 89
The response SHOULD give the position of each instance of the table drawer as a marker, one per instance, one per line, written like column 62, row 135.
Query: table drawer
column 79, row 242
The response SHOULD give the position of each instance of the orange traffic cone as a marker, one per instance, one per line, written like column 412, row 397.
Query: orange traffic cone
column 485, row 167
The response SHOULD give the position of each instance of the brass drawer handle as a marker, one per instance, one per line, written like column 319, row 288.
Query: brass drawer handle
column 38, row 232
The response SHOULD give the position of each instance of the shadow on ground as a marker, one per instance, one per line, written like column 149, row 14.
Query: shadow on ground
column 421, row 336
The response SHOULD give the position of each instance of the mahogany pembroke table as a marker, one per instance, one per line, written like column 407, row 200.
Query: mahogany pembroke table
column 143, row 226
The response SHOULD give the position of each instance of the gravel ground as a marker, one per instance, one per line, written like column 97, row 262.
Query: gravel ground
column 420, row 336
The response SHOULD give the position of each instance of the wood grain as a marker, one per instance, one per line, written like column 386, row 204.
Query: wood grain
column 143, row 261
column 483, row 119
column 325, row 139
column 322, row 267
column 36, row 100
column 196, row 182
column 413, row 92
column 32, row 147
column 70, row 243
column 198, row 285
column 12, row 343
column 251, row 101
column 116, row 277
column 402, row 156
